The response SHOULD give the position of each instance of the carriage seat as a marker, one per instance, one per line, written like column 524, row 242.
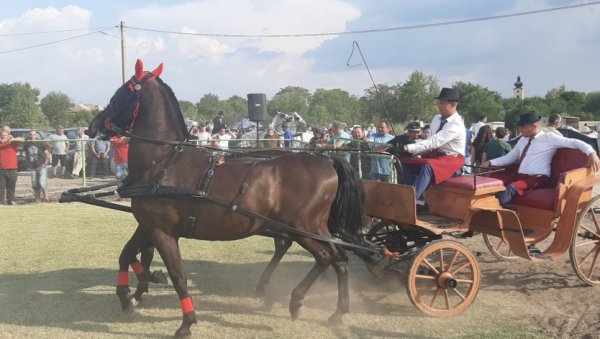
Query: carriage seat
column 465, row 182
column 566, row 168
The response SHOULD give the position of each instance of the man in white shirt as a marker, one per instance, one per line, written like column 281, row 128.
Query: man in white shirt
column 476, row 126
column 441, row 155
column 222, row 138
column 534, row 152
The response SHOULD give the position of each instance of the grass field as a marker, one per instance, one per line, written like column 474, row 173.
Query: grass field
column 58, row 274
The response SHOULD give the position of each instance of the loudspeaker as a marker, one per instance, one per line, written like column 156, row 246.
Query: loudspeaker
column 257, row 107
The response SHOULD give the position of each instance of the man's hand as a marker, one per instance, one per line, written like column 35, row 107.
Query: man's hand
column 593, row 162
column 485, row 164
column 380, row 149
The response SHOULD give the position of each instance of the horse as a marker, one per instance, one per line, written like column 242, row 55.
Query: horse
column 207, row 194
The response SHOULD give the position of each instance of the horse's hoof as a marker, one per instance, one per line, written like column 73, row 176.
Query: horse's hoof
column 183, row 333
column 295, row 310
column 159, row 277
column 336, row 319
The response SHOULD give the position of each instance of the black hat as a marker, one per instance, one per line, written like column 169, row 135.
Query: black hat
column 413, row 127
column 528, row 118
column 449, row 94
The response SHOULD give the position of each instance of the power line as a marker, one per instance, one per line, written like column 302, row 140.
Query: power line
column 49, row 43
column 376, row 30
column 58, row 31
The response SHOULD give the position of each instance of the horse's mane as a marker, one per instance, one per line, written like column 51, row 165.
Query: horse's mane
column 175, row 103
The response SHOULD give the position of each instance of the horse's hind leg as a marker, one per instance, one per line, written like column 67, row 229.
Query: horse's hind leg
column 157, row 277
column 281, row 247
column 169, row 251
column 323, row 258
column 340, row 265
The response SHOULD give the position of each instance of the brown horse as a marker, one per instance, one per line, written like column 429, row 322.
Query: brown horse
column 179, row 191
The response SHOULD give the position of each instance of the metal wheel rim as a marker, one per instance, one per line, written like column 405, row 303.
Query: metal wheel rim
column 378, row 264
column 585, row 246
column 498, row 247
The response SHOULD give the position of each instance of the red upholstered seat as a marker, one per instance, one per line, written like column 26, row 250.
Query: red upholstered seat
column 565, row 159
column 469, row 183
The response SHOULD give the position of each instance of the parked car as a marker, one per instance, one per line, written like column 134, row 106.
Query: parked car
column 21, row 155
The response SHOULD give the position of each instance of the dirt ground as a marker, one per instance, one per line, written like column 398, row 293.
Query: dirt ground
column 546, row 298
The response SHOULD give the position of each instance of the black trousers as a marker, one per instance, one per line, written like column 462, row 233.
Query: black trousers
column 8, row 183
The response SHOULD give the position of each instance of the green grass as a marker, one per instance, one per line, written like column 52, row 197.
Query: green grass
column 58, row 267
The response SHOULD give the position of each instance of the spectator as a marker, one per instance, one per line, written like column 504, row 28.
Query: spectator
column 426, row 132
column 60, row 145
column 38, row 159
column 339, row 138
column 381, row 166
column 287, row 135
column 218, row 122
column 121, row 148
column 359, row 145
column 468, row 146
column 271, row 139
column 80, row 145
column 484, row 136
column 99, row 159
column 223, row 136
column 482, row 121
column 8, row 166
column 497, row 147
column 319, row 139
column 204, row 138
column 554, row 123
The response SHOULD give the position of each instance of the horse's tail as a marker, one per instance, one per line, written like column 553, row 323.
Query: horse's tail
column 346, row 214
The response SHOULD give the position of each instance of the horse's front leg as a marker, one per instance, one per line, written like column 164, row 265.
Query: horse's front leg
column 169, row 251
column 157, row 277
column 281, row 247
column 340, row 265
column 140, row 241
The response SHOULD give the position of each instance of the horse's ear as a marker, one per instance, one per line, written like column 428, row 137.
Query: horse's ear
column 139, row 70
column 158, row 71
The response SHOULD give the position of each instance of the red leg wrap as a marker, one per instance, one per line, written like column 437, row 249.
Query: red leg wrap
column 186, row 305
column 137, row 267
column 123, row 279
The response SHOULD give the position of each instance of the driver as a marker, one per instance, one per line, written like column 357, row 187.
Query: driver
column 442, row 154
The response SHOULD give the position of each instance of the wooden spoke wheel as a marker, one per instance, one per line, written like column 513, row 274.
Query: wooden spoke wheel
column 402, row 239
column 443, row 279
column 585, row 247
column 498, row 247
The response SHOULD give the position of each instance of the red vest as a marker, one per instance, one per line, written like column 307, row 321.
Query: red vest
column 8, row 156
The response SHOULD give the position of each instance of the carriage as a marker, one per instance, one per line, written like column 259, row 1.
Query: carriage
column 181, row 190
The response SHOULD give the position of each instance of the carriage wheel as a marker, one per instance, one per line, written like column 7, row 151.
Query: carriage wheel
column 386, row 269
column 443, row 279
column 498, row 247
column 585, row 247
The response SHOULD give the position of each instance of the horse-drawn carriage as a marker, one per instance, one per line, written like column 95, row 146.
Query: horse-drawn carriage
column 181, row 190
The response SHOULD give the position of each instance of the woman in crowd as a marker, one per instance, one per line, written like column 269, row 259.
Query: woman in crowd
column 496, row 148
column 484, row 135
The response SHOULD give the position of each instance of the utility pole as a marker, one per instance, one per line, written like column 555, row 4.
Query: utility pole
column 123, row 53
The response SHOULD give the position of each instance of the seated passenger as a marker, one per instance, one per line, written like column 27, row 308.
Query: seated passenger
column 534, row 152
column 443, row 153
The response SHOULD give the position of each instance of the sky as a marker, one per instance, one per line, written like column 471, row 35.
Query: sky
column 547, row 50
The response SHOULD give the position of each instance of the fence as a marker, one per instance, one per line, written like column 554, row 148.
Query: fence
column 86, row 164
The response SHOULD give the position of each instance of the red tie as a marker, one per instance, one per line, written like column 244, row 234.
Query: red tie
column 525, row 151
column 444, row 121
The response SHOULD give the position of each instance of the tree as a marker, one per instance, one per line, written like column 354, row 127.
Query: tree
column 379, row 103
column 339, row 105
column 416, row 97
column 18, row 105
column 208, row 106
column 290, row 99
column 54, row 105
column 476, row 101
column 188, row 109
column 236, row 108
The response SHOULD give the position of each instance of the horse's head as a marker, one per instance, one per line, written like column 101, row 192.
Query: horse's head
column 124, row 106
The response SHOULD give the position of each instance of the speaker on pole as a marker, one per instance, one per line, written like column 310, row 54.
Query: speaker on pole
column 257, row 107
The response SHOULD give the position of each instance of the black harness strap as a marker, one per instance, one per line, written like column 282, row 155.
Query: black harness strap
column 209, row 172
column 236, row 201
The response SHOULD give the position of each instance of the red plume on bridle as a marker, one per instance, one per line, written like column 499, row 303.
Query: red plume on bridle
column 139, row 70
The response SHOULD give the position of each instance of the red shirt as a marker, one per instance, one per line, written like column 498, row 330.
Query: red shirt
column 121, row 150
column 8, row 155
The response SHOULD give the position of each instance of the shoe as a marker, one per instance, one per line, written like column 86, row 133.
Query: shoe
column 422, row 209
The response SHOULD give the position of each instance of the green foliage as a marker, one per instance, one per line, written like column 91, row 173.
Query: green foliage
column 476, row 101
column 55, row 106
column 188, row 109
column 18, row 105
column 290, row 99
column 236, row 108
column 339, row 105
column 208, row 106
